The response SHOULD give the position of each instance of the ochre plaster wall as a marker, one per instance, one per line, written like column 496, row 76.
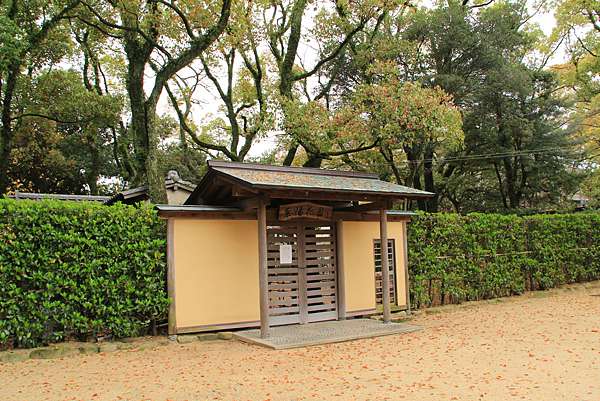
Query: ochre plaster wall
column 359, row 262
column 216, row 271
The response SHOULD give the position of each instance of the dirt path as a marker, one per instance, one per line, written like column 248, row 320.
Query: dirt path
column 545, row 346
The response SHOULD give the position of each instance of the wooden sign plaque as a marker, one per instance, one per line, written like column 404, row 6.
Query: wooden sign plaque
column 305, row 210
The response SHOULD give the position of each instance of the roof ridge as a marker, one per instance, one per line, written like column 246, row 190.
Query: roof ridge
column 47, row 195
column 294, row 169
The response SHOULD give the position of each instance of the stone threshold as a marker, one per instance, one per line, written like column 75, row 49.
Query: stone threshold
column 306, row 335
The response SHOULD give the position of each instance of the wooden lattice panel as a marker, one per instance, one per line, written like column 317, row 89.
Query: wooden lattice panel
column 378, row 275
column 283, row 279
column 305, row 290
column 320, row 272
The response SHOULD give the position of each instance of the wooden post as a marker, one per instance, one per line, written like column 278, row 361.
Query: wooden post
column 301, row 239
column 385, row 268
column 262, row 269
column 171, row 276
column 406, row 282
column 341, row 281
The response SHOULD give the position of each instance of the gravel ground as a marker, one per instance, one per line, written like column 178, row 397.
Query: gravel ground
column 542, row 346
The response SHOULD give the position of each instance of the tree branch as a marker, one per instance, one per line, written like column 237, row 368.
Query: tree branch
column 480, row 5
column 181, row 15
column 38, row 37
column 333, row 54
column 595, row 22
column 55, row 119
column 191, row 133
column 199, row 45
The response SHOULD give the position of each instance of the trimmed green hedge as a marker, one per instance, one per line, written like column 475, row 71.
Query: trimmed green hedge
column 81, row 270
column 78, row 270
column 455, row 258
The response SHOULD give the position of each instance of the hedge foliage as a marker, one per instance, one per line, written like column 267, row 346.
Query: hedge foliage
column 81, row 270
column 455, row 258
column 78, row 270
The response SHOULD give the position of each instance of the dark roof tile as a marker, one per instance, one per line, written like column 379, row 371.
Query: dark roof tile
column 261, row 176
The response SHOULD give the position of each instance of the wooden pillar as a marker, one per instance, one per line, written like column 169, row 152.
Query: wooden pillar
column 171, row 275
column 341, row 277
column 262, row 269
column 406, row 277
column 385, row 268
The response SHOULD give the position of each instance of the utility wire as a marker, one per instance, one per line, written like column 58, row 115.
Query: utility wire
column 484, row 156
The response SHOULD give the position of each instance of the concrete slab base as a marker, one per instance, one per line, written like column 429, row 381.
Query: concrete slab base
column 304, row 335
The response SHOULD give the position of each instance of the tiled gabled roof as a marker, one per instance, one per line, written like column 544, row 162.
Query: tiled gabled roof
column 264, row 176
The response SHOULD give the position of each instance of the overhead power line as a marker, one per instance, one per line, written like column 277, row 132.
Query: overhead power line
column 484, row 156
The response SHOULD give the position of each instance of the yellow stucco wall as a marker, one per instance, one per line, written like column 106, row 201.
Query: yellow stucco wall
column 216, row 271
column 359, row 262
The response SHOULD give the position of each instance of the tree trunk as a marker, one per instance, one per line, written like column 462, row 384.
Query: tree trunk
column 510, row 183
column 156, row 182
column 291, row 154
column 313, row 161
column 143, row 115
column 421, row 203
column 432, row 203
column 414, row 178
column 135, row 91
column 7, row 132
column 93, row 173
column 389, row 158
column 4, row 160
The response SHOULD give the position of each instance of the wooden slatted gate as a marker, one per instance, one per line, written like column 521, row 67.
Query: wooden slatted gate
column 305, row 290
column 379, row 276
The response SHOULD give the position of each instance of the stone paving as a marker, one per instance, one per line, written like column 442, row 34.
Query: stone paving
column 296, row 336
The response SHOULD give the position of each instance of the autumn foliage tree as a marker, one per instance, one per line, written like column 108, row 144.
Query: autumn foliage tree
column 159, row 38
column 458, row 97
column 32, row 35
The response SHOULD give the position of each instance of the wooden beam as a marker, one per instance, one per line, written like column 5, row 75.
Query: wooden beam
column 210, row 215
column 271, row 216
column 172, row 326
column 247, row 204
column 341, row 274
column 362, row 216
column 364, row 207
column 238, row 191
column 280, row 192
column 320, row 195
column 406, row 275
column 219, row 326
column 385, row 268
column 234, row 183
column 262, row 269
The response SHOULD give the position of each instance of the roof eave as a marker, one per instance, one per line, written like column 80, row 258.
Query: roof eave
column 200, row 187
column 215, row 164
column 402, row 195
column 213, row 170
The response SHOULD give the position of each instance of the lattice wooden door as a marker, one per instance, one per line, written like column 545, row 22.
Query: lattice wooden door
column 319, row 272
column 284, row 279
column 305, row 290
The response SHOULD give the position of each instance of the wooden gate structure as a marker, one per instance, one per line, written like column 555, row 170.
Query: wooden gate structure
column 304, row 290
column 298, row 219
